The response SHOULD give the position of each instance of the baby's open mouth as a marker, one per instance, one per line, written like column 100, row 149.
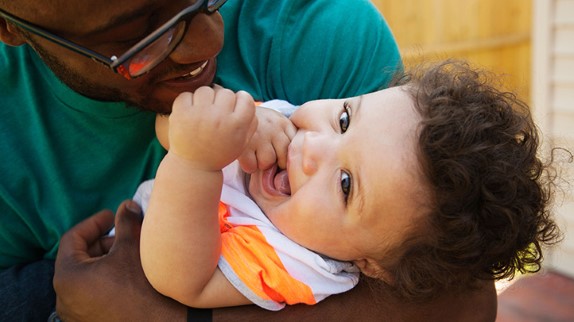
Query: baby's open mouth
column 281, row 181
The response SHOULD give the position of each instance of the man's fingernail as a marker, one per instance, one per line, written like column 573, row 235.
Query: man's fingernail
column 133, row 207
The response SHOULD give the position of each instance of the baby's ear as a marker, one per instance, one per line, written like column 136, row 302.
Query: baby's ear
column 10, row 35
column 373, row 269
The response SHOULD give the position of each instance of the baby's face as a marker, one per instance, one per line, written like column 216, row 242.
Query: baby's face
column 352, row 176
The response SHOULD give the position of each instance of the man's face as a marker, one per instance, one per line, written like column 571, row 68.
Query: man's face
column 111, row 28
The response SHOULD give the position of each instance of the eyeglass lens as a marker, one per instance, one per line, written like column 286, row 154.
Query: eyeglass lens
column 156, row 51
column 212, row 5
column 159, row 49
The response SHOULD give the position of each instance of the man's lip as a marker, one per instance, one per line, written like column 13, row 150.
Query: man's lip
column 197, row 71
column 184, row 71
column 204, row 77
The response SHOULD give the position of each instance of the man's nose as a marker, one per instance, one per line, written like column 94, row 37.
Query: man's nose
column 203, row 39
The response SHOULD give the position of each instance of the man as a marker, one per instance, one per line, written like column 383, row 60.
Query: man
column 80, row 83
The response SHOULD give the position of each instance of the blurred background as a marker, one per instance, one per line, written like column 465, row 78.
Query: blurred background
column 530, row 43
column 490, row 33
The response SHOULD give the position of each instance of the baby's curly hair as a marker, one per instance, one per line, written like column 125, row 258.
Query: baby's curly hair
column 489, row 192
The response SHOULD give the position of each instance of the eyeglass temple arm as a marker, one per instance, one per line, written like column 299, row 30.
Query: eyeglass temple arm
column 58, row 40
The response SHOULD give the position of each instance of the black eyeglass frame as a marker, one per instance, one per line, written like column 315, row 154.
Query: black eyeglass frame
column 115, row 63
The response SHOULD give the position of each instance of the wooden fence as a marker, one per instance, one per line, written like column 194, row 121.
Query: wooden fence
column 493, row 34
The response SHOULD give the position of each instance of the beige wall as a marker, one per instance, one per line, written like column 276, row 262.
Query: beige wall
column 553, row 104
column 495, row 34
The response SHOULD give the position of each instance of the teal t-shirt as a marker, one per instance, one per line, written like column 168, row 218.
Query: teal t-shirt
column 65, row 157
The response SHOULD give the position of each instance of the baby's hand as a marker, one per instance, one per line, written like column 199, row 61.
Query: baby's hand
column 212, row 126
column 269, row 144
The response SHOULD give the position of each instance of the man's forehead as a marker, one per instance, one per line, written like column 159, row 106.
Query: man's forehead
column 73, row 16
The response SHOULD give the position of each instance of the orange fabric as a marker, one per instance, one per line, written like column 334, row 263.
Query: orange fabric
column 257, row 264
column 223, row 213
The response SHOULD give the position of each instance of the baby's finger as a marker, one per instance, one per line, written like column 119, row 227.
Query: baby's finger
column 181, row 102
column 225, row 99
column 244, row 116
column 248, row 161
column 266, row 157
column 203, row 96
column 290, row 130
column 281, row 147
column 244, row 104
column 252, row 126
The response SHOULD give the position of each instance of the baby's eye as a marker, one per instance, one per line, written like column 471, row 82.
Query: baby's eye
column 345, row 185
column 345, row 118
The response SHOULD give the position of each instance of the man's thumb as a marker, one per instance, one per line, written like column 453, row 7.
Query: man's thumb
column 128, row 221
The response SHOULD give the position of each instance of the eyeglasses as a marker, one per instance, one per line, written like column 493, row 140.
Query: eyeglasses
column 143, row 56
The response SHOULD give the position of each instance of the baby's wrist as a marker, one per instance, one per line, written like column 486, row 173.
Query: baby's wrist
column 192, row 164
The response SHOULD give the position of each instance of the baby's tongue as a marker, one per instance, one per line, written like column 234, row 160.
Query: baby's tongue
column 281, row 182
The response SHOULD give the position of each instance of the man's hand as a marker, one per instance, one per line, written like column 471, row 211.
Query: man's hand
column 269, row 144
column 100, row 278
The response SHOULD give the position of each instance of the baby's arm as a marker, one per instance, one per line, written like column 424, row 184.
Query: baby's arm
column 180, row 242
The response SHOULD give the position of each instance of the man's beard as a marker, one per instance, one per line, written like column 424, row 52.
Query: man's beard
column 81, row 85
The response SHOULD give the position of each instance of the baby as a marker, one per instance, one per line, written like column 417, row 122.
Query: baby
column 431, row 184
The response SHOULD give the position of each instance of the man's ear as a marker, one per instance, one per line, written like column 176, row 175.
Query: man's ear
column 10, row 35
column 373, row 269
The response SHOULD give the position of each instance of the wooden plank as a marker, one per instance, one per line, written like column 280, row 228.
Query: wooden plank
column 541, row 62
column 563, row 128
column 564, row 12
column 476, row 30
column 563, row 70
column 469, row 45
column 563, row 97
column 564, row 41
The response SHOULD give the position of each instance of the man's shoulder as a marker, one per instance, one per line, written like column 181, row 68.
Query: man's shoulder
column 283, row 49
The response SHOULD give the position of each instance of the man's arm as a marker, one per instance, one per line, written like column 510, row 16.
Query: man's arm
column 364, row 303
column 88, row 284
